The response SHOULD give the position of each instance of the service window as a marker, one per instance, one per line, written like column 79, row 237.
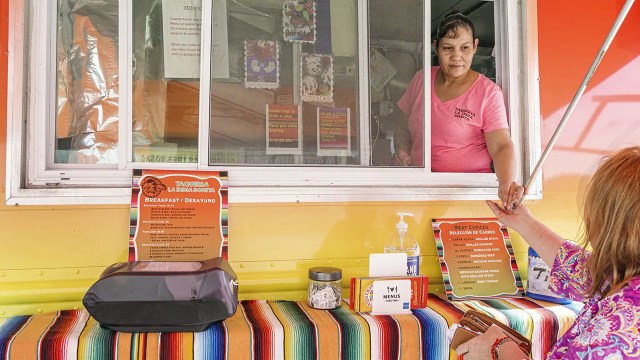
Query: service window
column 295, row 98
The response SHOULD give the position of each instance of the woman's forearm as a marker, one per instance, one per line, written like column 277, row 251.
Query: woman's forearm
column 402, row 139
column 503, row 154
column 542, row 239
column 504, row 163
column 401, row 134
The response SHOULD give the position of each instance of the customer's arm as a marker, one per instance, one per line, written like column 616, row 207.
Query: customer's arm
column 568, row 261
column 542, row 239
column 502, row 153
column 609, row 333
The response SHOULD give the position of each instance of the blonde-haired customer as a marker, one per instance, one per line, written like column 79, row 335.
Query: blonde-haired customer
column 607, row 277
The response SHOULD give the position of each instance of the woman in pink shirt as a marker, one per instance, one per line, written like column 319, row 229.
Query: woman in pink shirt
column 469, row 125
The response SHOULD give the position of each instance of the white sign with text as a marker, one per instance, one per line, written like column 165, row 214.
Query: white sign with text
column 391, row 297
column 181, row 20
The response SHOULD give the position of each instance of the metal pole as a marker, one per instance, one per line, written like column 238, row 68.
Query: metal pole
column 612, row 33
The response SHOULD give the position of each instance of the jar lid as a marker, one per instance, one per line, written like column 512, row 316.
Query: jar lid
column 325, row 273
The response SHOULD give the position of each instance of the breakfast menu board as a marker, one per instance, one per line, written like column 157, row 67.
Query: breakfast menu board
column 178, row 215
column 476, row 258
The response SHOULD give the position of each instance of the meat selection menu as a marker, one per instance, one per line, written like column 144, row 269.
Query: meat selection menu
column 476, row 258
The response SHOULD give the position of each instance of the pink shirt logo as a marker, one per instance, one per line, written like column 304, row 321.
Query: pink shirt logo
column 464, row 114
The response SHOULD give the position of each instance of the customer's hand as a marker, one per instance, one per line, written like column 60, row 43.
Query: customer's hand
column 516, row 218
column 510, row 194
column 401, row 158
column 480, row 346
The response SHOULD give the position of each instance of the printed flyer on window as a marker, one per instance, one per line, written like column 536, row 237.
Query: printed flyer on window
column 262, row 70
column 181, row 20
column 284, row 129
column 178, row 215
column 298, row 21
column 334, row 131
column 316, row 78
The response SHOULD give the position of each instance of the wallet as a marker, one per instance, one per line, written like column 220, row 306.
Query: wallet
column 474, row 323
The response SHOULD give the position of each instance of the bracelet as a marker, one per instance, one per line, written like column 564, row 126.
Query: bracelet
column 495, row 348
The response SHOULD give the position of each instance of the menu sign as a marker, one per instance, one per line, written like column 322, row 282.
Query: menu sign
column 284, row 129
column 177, row 215
column 476, row 258
column 181, row 20
column 334, row 131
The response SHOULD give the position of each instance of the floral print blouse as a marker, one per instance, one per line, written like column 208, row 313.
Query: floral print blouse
column 607, row 328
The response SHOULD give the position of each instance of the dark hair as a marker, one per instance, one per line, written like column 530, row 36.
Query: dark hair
column 449, row 25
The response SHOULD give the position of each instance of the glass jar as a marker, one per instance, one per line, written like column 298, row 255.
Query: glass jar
column 325, row 288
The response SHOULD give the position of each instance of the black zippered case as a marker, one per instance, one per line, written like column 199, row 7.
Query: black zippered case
column 154, row 296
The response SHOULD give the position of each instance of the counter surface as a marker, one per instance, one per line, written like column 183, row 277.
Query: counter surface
column 283, row 330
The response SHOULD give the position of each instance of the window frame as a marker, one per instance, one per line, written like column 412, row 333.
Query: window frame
column 31, row 180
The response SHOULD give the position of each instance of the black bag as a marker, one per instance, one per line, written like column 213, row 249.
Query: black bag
column 156, row 296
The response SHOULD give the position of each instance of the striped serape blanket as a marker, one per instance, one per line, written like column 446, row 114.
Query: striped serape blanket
column 282, row 330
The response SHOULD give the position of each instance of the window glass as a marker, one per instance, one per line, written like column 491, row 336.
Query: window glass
column 396, row 43
column 165, row 99
column 86, row 63
column 79, row 125
column 285, row 84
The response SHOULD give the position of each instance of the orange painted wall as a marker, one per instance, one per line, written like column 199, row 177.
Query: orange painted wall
column 570, row 35
column 49, row 255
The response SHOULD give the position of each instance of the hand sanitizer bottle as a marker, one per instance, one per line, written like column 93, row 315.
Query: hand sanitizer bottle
column 403, row 241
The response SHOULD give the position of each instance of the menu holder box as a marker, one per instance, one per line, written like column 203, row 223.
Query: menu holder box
column 361, row 291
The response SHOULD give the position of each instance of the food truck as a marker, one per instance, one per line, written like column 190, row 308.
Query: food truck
column 294, row 101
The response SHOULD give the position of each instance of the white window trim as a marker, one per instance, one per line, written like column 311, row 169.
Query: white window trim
column 246, row 185
column 26, row 103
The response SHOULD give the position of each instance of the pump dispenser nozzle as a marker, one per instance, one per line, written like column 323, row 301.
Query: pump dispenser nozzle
column 402, row 225
column 403, row 241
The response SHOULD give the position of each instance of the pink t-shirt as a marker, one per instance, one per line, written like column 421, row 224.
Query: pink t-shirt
column 457, row 126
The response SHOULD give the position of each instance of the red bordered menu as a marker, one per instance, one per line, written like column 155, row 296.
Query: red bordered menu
column 178, row 215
